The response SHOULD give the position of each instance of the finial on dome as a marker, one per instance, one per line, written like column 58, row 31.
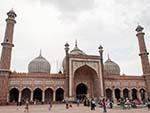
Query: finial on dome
column 108, row 56
column 40, row 52
column 76, row 43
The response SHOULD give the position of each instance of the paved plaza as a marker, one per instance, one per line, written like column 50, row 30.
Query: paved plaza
column 60, row 108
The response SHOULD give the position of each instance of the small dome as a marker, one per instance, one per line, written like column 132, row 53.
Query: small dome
column 111, row 68
column 77, row 51
column 39, row 65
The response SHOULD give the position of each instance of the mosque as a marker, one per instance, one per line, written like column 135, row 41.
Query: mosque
column 82, row 75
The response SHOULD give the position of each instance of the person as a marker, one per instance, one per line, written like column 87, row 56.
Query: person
column 50, row 105
column 93, row 104
column 70, row 105
column 84, row 102
column 88, row 102
column 26, row 106
column 17, row 104
column 67, row 104
column 122, row 103
column 104, row 105
column 128, row 103
column 110, row 104
column 148, row 103
column 78, row 102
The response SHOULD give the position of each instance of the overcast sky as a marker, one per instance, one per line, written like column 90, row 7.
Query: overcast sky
column 49, row 24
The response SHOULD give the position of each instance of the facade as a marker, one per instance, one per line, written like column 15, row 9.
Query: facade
column 83, row 75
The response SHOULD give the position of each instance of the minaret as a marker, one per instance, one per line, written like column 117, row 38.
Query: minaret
column 67, row 85
column 144, row 58
column 143, row 51
column 8, row 42
column 102, row 70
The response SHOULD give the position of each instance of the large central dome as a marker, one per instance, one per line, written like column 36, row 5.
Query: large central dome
column 39, row 65
column 77, row 51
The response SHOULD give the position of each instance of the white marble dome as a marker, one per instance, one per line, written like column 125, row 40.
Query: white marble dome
column 39, row 65
column 111, row 68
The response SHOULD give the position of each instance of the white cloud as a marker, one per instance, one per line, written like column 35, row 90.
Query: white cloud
column 70, row 5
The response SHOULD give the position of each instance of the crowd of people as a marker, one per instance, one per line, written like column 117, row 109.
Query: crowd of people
column 107, row 103
column 93, row 103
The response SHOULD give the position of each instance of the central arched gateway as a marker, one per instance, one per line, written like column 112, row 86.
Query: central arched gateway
column 86, row 82
column 81, row 91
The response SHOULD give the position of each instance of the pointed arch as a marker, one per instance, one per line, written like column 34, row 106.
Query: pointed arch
column 117, row 93
column 134, row 94
column 25, row 95
column 86, row 70
column 13, row 95
column 81, row 91
column 87, row 75
column 108, row 93
column 48, row 95
column 92, row 65
column 143, row 94
column 37, row 95
column 59, row 94
column 125, row 93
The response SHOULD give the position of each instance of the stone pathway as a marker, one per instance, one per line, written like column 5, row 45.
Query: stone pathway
column 60, row 108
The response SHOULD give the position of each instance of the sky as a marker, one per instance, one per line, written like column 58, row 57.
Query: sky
column 49, row 24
